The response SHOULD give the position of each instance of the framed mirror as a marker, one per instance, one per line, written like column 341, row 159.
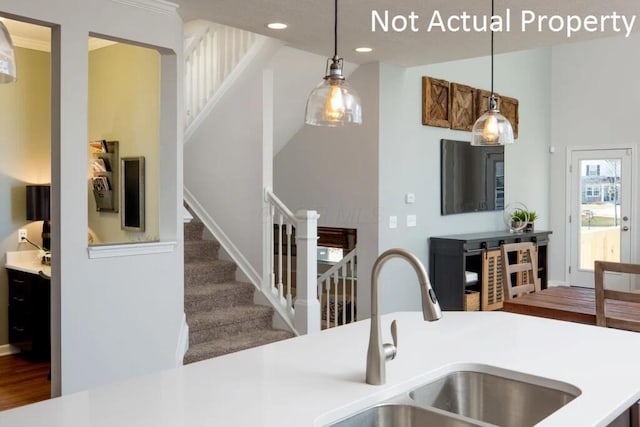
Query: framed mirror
column 132, row 193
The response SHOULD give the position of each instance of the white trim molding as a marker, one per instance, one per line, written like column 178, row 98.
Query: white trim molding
column 157, row 6
column 8, row 349
column 183, row 341
column 130, row 249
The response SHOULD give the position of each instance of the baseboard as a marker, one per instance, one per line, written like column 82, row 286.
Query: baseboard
column 183, row 341
column 8, row 349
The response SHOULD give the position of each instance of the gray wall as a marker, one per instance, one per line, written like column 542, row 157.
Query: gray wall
column 361, row 176
column 410, row 158
column 594, row 104
column 334, row 171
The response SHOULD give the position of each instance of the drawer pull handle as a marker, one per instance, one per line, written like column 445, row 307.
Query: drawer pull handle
column 15, row 328
column 18, row 299
column 18, row 281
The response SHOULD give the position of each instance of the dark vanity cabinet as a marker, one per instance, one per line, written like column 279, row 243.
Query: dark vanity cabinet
column 29, row 314
column 454, row 259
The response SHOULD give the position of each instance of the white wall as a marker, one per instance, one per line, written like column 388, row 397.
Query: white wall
column 594, row 103
column 410, row 158
column 117, row 317
column 334, row 171
column 224, row 158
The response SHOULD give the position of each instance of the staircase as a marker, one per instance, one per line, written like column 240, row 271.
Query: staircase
column 220, row 311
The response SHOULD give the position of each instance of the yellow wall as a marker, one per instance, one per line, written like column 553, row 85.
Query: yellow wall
column 124, row 106
column 25, row 156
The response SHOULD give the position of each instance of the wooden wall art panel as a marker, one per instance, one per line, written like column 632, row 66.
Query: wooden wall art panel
column 435, row 102
column 509, row 109
column 482, row 101
column 463, row 107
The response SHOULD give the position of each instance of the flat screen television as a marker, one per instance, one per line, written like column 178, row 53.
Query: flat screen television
column 471, row 178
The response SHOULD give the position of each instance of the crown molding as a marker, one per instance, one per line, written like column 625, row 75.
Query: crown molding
column 157, row 6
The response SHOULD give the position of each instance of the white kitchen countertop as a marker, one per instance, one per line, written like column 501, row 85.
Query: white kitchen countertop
column 27, row 261
column 316, row 379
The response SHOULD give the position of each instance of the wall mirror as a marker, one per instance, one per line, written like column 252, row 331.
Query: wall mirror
column 132, row 193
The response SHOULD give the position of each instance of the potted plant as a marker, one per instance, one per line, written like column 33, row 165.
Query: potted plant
column 523, row 219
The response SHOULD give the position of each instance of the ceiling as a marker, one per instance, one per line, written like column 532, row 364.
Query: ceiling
column 311, row 25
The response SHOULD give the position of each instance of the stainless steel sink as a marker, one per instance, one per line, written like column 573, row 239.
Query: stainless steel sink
column 496, row 399
column 399, row 415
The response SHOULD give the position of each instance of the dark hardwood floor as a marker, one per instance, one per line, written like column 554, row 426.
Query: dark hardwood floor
column 22, row 382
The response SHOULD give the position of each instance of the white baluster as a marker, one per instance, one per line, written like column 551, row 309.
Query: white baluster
column 289, row 299
column 344, row 295
column 280, row 234
column 353, row 295
column 327, row 297
column 272, row 212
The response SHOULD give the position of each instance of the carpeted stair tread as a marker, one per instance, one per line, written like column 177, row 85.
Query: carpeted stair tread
column 201, row 272
column 193, row 230
column 234, row 343
column 217, row 295
column 195, row 250
column 228, row 316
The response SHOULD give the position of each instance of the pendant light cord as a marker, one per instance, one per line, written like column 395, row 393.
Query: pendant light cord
column 490, row 26
column 335, row 30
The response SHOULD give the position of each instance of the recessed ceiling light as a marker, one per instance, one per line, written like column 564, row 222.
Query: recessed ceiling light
column 277, row 25
column 363, row 49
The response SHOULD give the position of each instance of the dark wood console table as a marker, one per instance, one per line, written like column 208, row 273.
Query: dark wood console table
column 451, row 256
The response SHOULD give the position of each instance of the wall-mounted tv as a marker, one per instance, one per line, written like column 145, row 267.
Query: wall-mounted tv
column 471, row 178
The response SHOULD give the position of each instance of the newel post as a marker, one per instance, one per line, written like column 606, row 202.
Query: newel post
column 307, row 306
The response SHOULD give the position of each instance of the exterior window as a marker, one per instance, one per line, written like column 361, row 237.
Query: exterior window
column 593, row 170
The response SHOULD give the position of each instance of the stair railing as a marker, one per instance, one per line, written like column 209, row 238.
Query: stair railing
column 283, row 228
column 337, row 292
column 211, row 55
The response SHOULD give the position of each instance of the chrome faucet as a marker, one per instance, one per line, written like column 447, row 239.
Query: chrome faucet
column 379, row 353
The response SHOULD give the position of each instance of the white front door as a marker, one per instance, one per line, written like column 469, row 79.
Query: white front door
column 601, row 200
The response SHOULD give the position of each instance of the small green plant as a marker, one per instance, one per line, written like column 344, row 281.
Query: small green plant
column 522, row 215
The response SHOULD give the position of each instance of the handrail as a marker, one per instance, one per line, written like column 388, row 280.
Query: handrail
column 284, row 210
column 338, row 307
column 338, row 265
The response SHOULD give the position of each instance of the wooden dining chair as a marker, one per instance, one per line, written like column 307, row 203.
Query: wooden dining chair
column 603, row 318
column 525, row 268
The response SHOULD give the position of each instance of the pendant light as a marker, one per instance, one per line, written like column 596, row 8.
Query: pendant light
column 333, row 102
column 7, row 56
column 492, row 128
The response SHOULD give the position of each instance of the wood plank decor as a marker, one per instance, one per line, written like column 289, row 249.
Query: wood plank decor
column 463, row 104
column 509, row 109
column 435, row 102
column 482, row 101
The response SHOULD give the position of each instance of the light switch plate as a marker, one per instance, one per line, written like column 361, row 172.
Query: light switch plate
column 393, row 221
column 411, row 220
column 410, row 198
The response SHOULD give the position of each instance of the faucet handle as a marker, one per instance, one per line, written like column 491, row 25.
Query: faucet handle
column 391, row 350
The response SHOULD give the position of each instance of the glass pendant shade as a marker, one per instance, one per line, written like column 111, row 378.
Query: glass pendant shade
column 333, row 103
column 7, row 57
column 492, row 128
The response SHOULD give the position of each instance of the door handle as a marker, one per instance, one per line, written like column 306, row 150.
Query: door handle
column 625, row 228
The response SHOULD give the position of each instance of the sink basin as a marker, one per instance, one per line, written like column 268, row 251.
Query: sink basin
column 496, row 399
column 399, row 415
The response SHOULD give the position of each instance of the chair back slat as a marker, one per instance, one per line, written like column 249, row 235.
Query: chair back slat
column 524, row 268
column 603, row 295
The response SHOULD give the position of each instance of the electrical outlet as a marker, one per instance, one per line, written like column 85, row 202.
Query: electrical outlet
column 22, row 235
